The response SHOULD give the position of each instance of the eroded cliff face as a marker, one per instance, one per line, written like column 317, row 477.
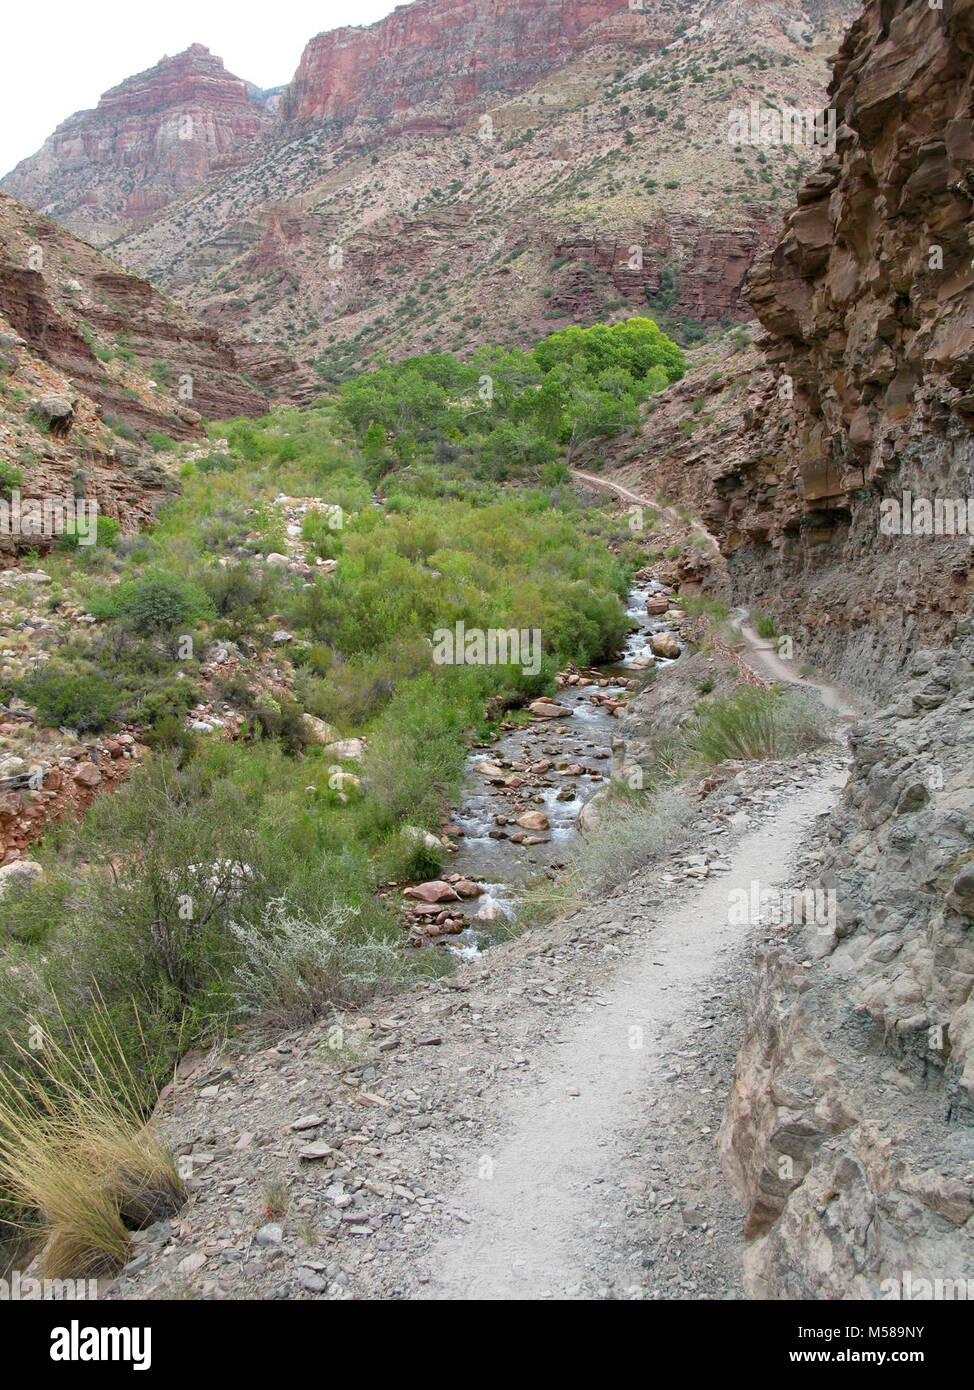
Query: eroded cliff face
column 866, row 389
column 148, row 140
column 487, row 174
column 147, row 363
column 428, row 64
column 850, row 1129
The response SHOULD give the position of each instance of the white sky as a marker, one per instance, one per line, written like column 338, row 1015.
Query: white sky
column 58, row 58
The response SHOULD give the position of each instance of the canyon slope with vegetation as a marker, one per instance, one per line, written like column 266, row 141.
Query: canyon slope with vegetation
column 441, row 181
column 231, row 765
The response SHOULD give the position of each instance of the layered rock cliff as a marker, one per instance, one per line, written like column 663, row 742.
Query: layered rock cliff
column 147, row 363
column 831, row 455
column 148, row 140
column 850, row 1130
column 833, row 461
column 430, row 64
column 454, row 175
column 862, row 388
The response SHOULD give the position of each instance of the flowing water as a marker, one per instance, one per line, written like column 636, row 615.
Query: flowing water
column 579, row 748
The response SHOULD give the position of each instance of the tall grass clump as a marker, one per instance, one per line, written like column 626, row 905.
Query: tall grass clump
column 631, row 833
column 77, row 1159
column 751, row 723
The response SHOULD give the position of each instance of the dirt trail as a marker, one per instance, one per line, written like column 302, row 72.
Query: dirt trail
column 764, row 659
column 540, row 1196
column 627, row 495
column 762, row 656
column 541, row 1124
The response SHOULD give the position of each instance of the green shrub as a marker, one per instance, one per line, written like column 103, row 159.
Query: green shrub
column 158, row 442
column 81, row 700
column 753, row 723
column 277, row 716
column 107, row 532
column 159, row 603
column 10, row 477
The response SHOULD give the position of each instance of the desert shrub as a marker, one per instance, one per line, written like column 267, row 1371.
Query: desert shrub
column 107, row 532
column 632, row 831
column 242, row 594
column 158, row 441
column 406, row 858
column 159, row 603
column 293, row 963
column 80, row 699
column 10, row 477
column 165, row 700
column 276, row 716
column 170, row 734
column 416, row 755
column 751, row 723
column 354, row 692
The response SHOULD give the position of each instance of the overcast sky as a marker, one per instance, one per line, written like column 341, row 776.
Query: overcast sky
column 58, row 58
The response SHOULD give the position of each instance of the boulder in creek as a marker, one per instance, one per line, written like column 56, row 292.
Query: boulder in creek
column 547, row 709
column 415, row 836
column 433, row 891
column 491, row 771
column 533, row 820
column 466, row 888
column 665, row 644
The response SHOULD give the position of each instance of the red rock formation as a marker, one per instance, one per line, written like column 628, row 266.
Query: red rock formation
column 442, row 57
column 148, row 140
column 865, row 390
column 111, row 332
column 381, row 146
column 701, row 269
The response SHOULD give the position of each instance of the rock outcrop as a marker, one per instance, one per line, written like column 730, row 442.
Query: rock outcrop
column 147, row 141
column 429, row 65
column 859, row 402
column 56, row 443
column 850, row 1128
column 148, row 364
column 841, row 508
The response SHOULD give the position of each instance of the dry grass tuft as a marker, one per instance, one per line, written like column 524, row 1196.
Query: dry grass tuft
column 76, row 1153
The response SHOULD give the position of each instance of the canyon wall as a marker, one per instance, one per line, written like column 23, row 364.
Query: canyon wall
column 795, row 444
column 850, row 1129
column 849, row 1134
column 867, row 386
column 145, row 361
column 428, row 65
column 485, row 172
column 148, row 140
